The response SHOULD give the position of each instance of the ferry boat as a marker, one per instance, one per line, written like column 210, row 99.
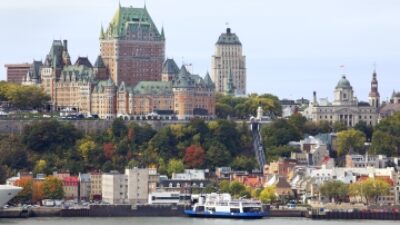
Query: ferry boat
column 223, row 206
column 7, row 192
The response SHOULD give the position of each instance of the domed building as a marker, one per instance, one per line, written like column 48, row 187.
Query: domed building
column 345, row 107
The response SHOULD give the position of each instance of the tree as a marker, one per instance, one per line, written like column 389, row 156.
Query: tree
column 50, row 135
column 119, row 129
column 194, row 156
column 217, row 155
column 236, row 189
column 3, row 174
column 40, row 167
column 109, row 150
column 350, row 140
column 53, row 188
column 383, row 143
column 164, row 143
column 370, row 189
column 175, row 166
column 243, row 162
column 334, row 190
column 25, row 195
column 366, row 129
column 279, row 132
column 85, row 147
column 268, row 195
column 224, row 186
column 339, row 126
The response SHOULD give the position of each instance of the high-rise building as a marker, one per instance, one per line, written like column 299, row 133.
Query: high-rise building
column 17, row 72
column 228, row 66
column 132, row 48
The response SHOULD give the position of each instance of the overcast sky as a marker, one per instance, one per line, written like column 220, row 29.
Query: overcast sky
column 292, row 47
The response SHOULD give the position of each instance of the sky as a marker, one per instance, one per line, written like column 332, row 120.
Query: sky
column 292, row 47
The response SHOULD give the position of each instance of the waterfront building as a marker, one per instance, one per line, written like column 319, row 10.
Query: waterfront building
column 84, row 186
column 228, row 65
column 95, row 185
column 114, row 187
column 132, row 47
column 70, row 187
column 138, row 185
column 346, row 108
column 17, row 72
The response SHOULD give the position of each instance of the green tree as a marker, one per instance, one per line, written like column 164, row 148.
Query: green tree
column 384, row 143
column 365, row 128
column 175, row 166
column 236, row 189
column 53, row 188
column 164, row 143
column 268, row 195
column 279, row 132
column 334, row 190
column 224, row 186
column 243, row 162
column 339, row 126
column 350, row 140
column 217, row 155
column 119, row 129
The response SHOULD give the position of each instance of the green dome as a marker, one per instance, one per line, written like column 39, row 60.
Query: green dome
column 343, row 83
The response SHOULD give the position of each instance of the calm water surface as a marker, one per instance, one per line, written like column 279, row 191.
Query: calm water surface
column 191, row 221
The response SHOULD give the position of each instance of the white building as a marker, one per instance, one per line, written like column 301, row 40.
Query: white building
column 190, row 174
column 138, row 185
column 114, row 188
column 346, row 108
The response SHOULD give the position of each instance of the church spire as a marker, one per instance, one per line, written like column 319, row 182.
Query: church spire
column 374, row 96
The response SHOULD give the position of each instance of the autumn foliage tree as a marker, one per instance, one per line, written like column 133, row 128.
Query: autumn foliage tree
column 109, row 149
column 53, row 188
column 194, row 156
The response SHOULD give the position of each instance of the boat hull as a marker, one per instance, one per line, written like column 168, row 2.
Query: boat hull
column 249, row 215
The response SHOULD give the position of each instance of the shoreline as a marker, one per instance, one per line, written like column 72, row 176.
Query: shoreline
column 177, row 211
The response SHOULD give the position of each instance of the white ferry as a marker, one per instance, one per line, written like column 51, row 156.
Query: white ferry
column 223, row 206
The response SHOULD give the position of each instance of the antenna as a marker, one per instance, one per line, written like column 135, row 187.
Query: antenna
column 342, row 67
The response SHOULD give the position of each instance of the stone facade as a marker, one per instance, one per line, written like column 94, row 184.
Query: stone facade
column 346, row 108
column 228, row 65
column 129, row 79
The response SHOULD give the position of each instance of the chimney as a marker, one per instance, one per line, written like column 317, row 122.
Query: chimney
column 65, row 44
column 228, row 30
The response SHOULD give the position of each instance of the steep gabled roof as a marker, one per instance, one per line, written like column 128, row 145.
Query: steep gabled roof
column 170, row 67
column 99, row 62
column 83, row 61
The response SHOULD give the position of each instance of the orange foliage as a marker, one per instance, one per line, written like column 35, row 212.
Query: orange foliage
column 194, row 156
column 109, row 149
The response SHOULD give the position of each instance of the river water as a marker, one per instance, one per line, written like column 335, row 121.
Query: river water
column 186, row 221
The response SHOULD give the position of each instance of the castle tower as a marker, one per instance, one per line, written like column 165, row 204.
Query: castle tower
column 228, row 57
column 132, row 48
column 374, row 97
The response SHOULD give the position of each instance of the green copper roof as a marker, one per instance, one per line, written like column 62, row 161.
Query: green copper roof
column 131, row 20
column 99, row 62
column 343, row 83
column 228, row 38
column 229, row 84
column 153, row 88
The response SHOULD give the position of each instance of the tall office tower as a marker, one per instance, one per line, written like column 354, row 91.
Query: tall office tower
column 228, row 65
column 132, row 48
